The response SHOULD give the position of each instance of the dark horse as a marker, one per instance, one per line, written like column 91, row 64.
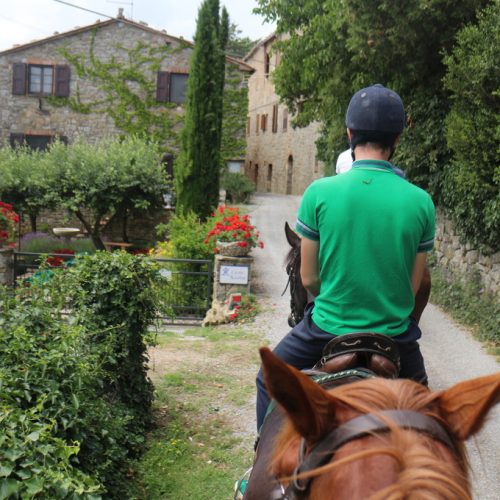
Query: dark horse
column 374, row 438
column 299, row 297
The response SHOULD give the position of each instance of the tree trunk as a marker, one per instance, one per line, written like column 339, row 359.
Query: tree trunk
column 93, row 233
column 32, row 222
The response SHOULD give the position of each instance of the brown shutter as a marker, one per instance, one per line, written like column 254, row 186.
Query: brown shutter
column 63, row 74
column 275, row 119
column 16, row 140
column 19, row 78
column 163, row 86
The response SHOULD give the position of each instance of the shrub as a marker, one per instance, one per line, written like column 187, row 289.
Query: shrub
column 39, row 242
column 76, row 391
column 238, row 187
column 472, row 182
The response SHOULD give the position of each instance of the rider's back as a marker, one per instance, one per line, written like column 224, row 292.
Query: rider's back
column 372, row 223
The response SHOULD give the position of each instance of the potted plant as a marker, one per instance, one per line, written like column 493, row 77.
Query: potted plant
column 233, row 233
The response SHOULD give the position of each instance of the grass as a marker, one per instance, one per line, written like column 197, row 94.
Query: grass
column 205, row 387
column 464, row 300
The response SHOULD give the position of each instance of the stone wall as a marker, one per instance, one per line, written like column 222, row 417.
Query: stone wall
column 462, row 258
column 140, row 225
column 279, row 159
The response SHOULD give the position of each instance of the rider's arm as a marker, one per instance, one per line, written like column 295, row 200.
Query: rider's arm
column 418, row 271
column 309, row 265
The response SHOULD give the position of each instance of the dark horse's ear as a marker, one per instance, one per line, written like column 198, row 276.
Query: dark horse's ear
column 465, row 405
column 308, row 405
column 292, row 237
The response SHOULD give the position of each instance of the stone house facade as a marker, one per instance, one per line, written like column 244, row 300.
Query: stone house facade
column 279, row 158
column 31, row 73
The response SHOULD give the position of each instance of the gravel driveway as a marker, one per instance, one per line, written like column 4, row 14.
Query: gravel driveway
column 451, row 354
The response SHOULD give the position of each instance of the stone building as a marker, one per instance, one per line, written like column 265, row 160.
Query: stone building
column 279, row 159
column 32, row 73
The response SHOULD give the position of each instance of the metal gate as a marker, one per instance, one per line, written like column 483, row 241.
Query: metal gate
column 185, row 290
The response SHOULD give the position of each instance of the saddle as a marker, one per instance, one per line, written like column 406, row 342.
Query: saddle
column 372, row 351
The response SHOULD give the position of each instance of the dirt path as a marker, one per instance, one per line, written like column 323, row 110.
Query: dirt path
column 451, row 354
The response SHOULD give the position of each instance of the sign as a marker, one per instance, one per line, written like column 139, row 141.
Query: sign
column 233, row 275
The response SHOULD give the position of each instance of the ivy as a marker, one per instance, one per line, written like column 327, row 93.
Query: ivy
column 128, row 87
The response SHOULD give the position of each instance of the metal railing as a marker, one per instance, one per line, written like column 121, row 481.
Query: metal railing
column 185, row 290
column 186, row 295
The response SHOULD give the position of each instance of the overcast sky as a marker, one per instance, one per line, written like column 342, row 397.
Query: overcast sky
column 22, row 21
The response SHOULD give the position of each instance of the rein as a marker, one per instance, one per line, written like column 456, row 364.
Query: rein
column 291, row 270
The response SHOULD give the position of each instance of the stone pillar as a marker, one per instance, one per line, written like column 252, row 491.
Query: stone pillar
column 6, row 266
column 231, row 275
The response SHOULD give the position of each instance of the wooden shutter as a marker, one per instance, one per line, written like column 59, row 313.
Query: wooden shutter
column 19, row 78
column 62, row 79
column 163, row 86
column 16, row 140
column 275, row 119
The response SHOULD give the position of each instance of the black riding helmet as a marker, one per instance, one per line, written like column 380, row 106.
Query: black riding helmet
column 375, row 114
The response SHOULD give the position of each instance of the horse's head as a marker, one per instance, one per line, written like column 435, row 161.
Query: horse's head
column 376, row 438
column 298, row 294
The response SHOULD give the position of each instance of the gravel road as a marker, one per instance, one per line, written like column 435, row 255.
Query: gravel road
column 451, row 353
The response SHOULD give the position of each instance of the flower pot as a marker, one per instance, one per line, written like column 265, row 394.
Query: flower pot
column 232, row 249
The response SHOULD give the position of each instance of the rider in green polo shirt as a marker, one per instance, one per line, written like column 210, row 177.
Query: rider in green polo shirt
column 365, row 235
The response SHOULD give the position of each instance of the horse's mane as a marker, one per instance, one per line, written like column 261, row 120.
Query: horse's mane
column 424, row 469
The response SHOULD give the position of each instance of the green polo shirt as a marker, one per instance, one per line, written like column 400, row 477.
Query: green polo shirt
column 370, row 224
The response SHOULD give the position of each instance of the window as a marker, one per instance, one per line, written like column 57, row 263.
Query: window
column 171, row 87
column 257, row 124
column 178, row 87
column 275, row 119
column 40, row 79
column 267, row 63
column 270, row 172
column 37, row 142
column 285, row 120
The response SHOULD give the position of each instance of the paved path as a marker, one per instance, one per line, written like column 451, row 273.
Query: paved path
column 451, row 354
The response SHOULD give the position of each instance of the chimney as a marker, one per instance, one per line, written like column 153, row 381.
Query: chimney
column 120, row 13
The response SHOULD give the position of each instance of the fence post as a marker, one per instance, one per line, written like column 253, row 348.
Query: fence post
column 231, row 275
column 6, row 266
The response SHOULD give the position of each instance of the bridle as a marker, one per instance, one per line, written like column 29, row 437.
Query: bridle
column 292, row 269
column 357, row 428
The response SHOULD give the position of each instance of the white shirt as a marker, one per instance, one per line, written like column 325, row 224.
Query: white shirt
column 344, row 162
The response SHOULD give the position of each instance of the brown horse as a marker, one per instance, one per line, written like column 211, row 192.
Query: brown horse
column 376, row 439
column 299, row 296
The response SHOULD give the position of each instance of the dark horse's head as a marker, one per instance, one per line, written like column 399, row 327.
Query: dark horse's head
column 298, row 294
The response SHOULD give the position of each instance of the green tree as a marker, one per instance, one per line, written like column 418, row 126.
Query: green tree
column 335, row 48
column 198, row 168
column 472, row 182
column 127, row 81
column 237, row 45
column 27, row 181
column 98, row 181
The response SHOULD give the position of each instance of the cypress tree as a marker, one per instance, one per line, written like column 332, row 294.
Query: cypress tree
column 198, row 167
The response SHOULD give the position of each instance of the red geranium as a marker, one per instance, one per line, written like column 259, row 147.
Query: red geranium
column 8, row 221
column 230, row 226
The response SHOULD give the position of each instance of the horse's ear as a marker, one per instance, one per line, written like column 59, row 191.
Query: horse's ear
column 309, row 407
column 292, row 237
column 466, row 404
